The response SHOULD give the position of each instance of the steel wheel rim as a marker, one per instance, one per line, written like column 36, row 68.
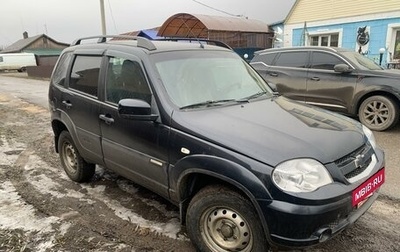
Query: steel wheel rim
column 224, row 229
column 70, row 157
column 376, row 113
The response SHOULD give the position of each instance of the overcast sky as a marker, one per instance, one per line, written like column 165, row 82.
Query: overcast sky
column 66, row 20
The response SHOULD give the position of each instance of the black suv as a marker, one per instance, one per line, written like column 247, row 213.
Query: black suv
column 336, row 79
column 196, row 124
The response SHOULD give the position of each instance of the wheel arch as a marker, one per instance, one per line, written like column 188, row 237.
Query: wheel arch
column 58, row 127
column 374, row 93
column 198, row 171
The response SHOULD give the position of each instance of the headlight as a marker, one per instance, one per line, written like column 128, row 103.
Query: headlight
column 301, row 175
column 370, row 136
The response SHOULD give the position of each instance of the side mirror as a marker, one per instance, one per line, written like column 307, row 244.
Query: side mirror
column 342, row 68
column 135, row 109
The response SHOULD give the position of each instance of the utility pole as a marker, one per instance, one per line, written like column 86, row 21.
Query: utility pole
column 103, row 18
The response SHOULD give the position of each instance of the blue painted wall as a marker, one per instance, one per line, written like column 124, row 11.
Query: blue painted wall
column 377, row 33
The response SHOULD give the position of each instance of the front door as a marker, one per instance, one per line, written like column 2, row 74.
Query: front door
column 327, row 88
column 135, row 149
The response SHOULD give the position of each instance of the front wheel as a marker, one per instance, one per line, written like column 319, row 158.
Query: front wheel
column 378, row 113
column 219, row 219
column 74, row 165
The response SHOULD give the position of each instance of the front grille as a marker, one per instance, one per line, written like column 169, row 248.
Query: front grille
column 358, row 170
column 356, row 162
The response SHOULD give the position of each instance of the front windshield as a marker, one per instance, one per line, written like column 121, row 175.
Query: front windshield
column 198, row 77
column 361, row 61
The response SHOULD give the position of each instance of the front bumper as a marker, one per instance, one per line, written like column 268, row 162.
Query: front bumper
column 300, row 224
column 292, row 225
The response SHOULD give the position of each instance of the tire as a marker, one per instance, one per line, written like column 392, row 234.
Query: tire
column 74, row 165
column 219, row 219
column 378, row 113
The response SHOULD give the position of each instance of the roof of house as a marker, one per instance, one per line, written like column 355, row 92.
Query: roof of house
column 21, row 44
column 196, row 25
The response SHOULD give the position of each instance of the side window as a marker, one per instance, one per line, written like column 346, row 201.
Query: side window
column 292, row 59
column 1, row 58
column 85, row 74
column 61, row 70
column 326, row 61
column 125, row 79
column 266, row 58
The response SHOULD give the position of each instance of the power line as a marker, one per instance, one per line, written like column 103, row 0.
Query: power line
column 112, row 16
column 234, row 15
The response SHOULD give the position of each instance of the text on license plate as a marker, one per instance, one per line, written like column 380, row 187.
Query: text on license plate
column 368, row 187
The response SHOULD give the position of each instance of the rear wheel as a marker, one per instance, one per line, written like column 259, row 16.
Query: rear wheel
column 74, row 165
column 378, row 113
column 219, row 219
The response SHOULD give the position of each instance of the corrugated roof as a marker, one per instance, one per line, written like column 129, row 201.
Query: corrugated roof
column 196, row 25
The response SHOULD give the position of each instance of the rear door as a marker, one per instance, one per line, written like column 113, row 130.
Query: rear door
column 80, row 105
column 135, row 149
column 327, row 88
column 288, row 74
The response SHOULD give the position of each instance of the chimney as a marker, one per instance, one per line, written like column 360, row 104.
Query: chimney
column 25, row 35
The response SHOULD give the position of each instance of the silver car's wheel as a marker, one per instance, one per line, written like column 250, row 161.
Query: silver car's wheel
column 219, row 219
column 74, row 165
column 226, row 229
column 69, row 156
column 378, row 113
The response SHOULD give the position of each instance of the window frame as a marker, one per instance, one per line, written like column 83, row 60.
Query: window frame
column 306, row 62
column 325, row 33
column 311, row 62
column 70, row 72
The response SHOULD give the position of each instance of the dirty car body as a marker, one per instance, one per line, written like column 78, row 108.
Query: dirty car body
column 248, row 169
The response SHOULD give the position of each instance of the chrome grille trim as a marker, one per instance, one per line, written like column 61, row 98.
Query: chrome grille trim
column 356, row 165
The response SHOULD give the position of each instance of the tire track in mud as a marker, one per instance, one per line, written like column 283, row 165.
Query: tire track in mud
column 76, row 217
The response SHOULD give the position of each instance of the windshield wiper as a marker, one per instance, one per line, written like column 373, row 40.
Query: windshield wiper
column 208, row 103
column 253, row 96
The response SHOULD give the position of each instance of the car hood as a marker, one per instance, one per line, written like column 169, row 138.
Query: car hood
column 274, row 130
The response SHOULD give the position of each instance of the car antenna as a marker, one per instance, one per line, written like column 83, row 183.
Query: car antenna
column 198, row 40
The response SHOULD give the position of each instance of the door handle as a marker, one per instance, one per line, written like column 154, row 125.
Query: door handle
column 315, row 78
column 108, row 120
column 67, row 104
column 273, row 74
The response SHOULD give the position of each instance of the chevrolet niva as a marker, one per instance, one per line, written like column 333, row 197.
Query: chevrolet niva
column 249, row 169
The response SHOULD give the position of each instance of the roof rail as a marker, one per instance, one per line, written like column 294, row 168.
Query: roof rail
column 141, row 41
column 198, row 40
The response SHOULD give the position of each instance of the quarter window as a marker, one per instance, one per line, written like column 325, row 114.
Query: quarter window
column 85, row 74
column 320, row 60
column 292, row 59
column 61, row 71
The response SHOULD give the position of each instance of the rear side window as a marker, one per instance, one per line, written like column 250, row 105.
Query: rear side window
column 326, row 61
column 61, row 70
column 266, row 58
column 292, row 59
column 85, row 74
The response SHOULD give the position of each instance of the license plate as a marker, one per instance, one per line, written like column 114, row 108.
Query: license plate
column 361, row 193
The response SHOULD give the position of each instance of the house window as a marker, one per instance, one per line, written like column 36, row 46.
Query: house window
column 396, row 54
column 325, row 40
